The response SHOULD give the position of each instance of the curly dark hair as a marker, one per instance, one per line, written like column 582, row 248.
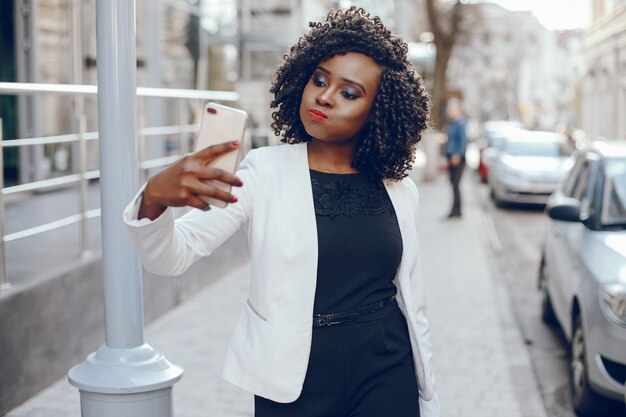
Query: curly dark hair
column 401, row 109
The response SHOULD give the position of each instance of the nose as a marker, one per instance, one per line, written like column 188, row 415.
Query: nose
column 324, row 99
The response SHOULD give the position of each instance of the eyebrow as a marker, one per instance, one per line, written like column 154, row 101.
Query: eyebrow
column 348, row 80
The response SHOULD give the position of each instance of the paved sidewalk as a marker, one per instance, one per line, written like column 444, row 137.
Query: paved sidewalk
column 481, row 364
column 482, row 367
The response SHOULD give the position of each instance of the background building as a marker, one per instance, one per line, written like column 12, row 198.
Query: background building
column 604, row 88
column 511, row 67
column 571, row 67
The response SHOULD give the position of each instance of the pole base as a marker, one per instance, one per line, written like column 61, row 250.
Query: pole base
column 124, row 371
column 144, row 404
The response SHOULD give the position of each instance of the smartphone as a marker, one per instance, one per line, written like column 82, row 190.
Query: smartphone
column 221, row 124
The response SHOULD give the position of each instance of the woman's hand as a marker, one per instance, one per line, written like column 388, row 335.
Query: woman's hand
column 183, row 182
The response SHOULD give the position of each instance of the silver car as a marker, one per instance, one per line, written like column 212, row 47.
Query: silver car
column 583, row 274
column 528, row 166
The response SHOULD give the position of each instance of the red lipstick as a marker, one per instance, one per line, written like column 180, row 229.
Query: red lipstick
column 317, row 115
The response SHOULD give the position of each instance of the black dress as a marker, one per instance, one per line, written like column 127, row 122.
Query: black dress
column 359, row 242
column 362, row 368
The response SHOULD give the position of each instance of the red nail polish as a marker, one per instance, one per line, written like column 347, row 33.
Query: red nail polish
column 234, row 143
column 234, row 200
column 239, row 184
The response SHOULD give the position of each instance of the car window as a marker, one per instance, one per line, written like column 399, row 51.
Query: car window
column 577, row 183
column 572, row 178
column 583, row 181
column 539, row 148
column 586, row 193
column 614, row 196
column 496, row 141
column 582, row 184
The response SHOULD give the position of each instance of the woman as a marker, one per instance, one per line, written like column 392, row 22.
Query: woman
column 334, row 324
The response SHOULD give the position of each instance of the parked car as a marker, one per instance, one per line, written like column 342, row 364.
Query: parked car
column 583, row 274
column 493, row 133
column 528, row 166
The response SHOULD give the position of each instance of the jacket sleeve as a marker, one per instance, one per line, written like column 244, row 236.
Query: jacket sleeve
column 169, row 246
column 430, row 407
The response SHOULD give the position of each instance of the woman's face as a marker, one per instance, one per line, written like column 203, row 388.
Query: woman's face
column 337, row 100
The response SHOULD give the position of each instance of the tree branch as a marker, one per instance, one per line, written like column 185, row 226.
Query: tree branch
column 433, row 19
column 457, row 15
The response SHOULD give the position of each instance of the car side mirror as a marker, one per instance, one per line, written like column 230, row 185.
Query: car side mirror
column 564, row 209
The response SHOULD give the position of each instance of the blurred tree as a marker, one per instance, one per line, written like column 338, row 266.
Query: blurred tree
column 446, row 26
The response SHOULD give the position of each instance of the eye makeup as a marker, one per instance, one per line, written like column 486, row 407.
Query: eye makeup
column 349, row 93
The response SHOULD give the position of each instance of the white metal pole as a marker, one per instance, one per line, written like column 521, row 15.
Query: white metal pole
column 125, row 376
column 117, row 109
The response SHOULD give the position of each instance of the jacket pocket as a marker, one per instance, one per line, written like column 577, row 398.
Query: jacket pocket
column 255, row 310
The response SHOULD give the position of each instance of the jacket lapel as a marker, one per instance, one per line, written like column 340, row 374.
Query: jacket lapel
column 297, row 229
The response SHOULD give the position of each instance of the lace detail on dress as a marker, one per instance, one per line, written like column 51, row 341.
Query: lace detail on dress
column 340, row 198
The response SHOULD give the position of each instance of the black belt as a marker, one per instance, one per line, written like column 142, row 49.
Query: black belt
column 322, row 320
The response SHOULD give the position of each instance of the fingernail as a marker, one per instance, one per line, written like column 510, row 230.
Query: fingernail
column 207, row 208
column 239, row 184
column 234, row 143
column 234, row 200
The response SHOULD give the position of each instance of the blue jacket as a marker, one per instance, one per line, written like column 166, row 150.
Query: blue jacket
column 457, row 138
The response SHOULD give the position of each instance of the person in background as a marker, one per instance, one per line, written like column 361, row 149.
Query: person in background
column 455, row 152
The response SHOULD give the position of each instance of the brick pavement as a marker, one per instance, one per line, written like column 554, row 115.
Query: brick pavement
column 481, row 364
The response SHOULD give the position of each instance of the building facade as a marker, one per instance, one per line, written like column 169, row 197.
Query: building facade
column 505, row 67
column 604, row 87
column 54, row 41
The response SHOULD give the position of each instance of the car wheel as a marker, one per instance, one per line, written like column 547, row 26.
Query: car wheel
column 547, row 311
column 585, row 401
column 494, row 197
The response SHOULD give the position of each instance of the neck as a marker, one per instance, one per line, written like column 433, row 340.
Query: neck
column 335, row 158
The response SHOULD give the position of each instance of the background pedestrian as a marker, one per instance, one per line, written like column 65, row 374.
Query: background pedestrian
column 455, row 152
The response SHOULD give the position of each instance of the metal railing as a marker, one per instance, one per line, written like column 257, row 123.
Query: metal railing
column 183, row 129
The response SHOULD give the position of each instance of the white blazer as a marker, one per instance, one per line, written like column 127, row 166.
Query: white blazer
column 269, row 349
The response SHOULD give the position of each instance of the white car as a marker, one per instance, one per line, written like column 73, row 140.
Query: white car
column 528, row 166
column 493, row 132
column 583, row 276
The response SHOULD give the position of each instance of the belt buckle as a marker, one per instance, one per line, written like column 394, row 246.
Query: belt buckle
column 326, row 320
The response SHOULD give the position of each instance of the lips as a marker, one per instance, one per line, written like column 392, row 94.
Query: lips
column 317, row 115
